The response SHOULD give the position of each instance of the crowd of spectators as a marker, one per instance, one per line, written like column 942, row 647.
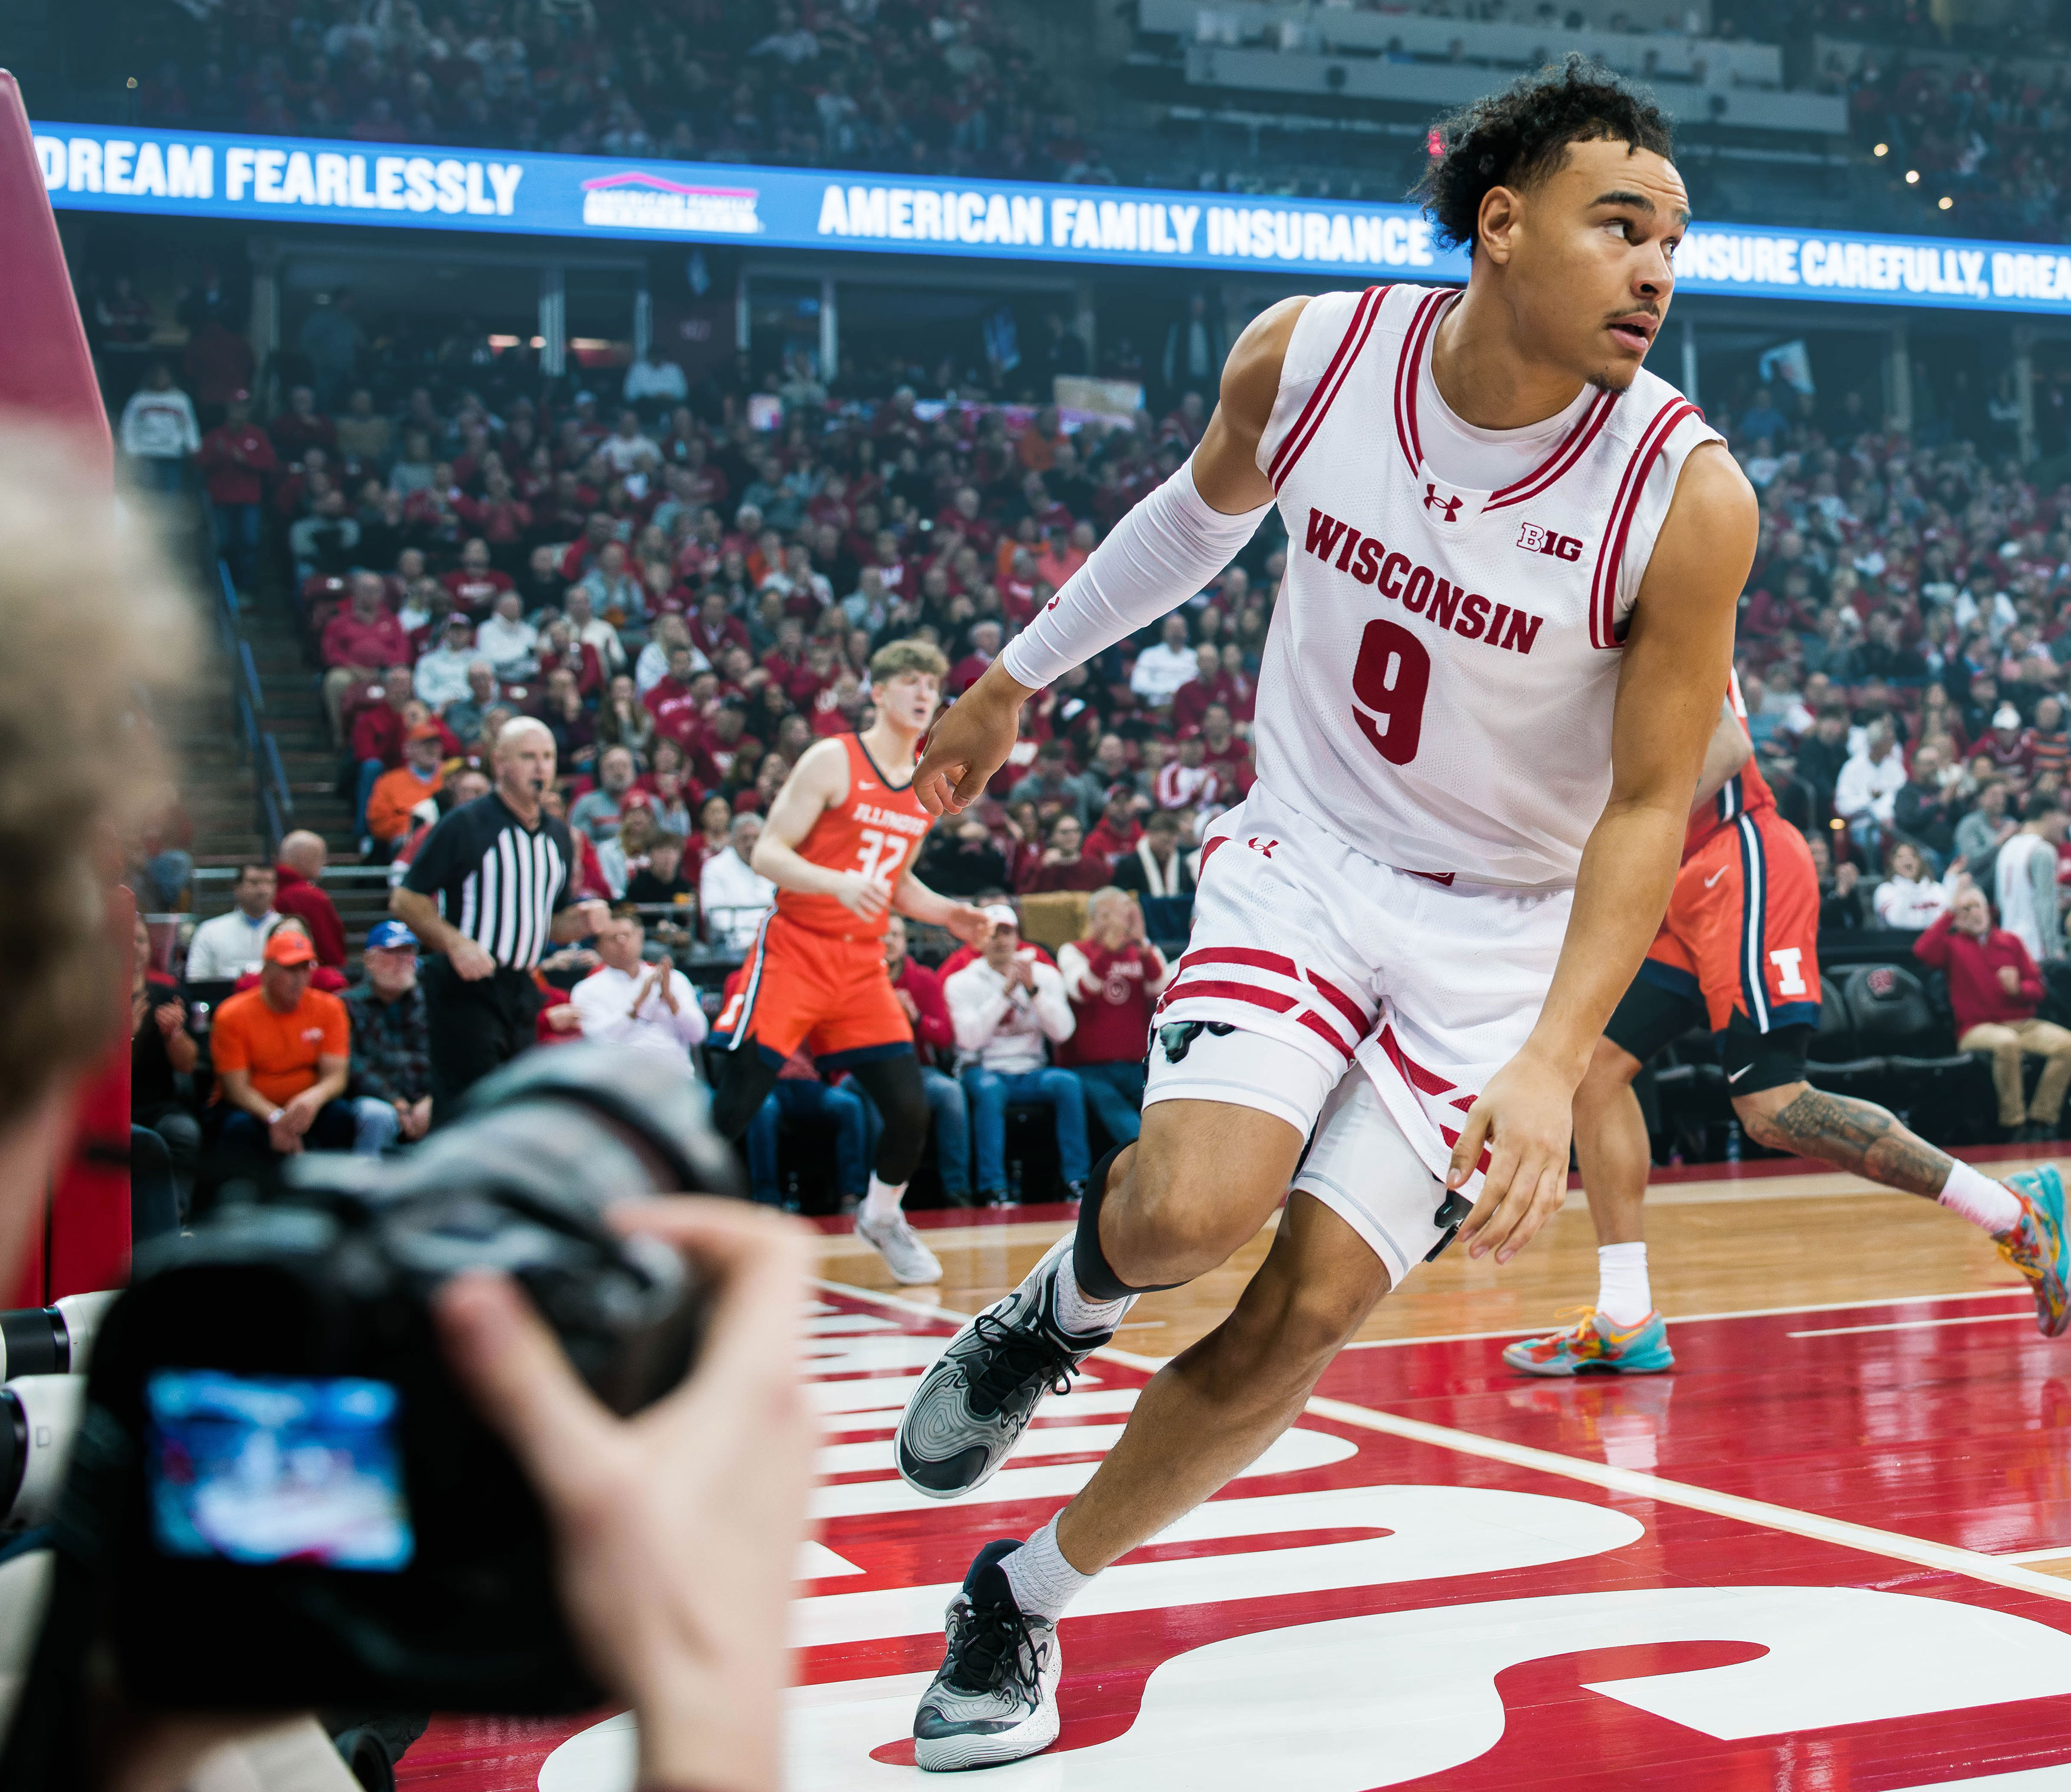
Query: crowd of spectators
column 686, row 603
column 1977, row 147
column 898, row 85
column 946, row 86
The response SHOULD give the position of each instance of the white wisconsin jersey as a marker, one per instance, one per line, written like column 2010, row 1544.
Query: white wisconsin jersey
column 1437, row 685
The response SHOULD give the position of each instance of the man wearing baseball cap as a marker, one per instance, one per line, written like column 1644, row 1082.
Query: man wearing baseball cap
column 396, row 793
column 282, row 1051
column 1007, row 1005
column 392, row 1044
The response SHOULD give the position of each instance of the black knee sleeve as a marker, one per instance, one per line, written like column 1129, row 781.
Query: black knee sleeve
column 895, row 1086
column 1089, row 1266
column 741, row 1092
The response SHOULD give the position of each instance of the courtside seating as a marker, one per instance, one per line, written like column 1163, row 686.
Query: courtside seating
column 1840, row 1059
column 1945, row 1094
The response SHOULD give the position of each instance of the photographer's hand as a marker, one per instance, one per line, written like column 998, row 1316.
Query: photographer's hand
column 677, row 1529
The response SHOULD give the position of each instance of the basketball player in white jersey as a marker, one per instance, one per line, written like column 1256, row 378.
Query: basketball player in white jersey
column 1513, row 561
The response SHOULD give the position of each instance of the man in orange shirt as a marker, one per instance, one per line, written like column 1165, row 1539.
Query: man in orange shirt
column 282, row 1052
column 395, row 793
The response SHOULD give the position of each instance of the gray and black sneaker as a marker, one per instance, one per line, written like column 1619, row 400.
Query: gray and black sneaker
column 995, row 1699
column 972, row 1406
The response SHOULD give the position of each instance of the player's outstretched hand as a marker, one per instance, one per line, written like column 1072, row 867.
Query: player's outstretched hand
column 971, row 924
column 1524, row 1117
column 676, row 1530
column 969, row 742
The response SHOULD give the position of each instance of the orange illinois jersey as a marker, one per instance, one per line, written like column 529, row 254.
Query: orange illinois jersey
column 1746, row 792
column 876, row 830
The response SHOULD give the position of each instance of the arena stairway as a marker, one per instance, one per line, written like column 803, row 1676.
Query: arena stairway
column 222, row 793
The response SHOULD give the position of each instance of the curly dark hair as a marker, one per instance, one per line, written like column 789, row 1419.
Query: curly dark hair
column 1515, row 137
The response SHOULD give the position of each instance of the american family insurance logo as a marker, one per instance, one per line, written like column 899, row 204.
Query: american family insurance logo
column 637, row 200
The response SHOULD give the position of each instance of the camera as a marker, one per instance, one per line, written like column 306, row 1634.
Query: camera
column 279, row 1498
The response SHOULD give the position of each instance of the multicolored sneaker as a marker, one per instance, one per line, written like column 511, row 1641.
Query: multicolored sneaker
column 1594, row 1344
column 2038, row 1248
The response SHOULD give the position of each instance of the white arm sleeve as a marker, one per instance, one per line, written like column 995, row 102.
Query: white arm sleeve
column 1157, row 557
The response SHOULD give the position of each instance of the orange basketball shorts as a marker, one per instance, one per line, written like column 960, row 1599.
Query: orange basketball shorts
column 830, row 995
column 1742, row 929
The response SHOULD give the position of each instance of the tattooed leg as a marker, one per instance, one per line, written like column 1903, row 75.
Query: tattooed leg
column 1848, row 1134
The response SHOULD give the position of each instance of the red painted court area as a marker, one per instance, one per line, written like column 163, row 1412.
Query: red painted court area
column 1783, row 1565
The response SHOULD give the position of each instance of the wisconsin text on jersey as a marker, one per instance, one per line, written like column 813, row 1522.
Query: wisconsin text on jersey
column 1443, row 604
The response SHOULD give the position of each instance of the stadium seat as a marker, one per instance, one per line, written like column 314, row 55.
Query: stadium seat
column 1944, row 1093
column 1839, row 1060
column 1834, row 1042
column 1032, row 1170
column 1691, row 1089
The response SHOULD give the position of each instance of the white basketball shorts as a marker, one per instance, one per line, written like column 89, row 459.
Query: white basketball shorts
column 1325, row 960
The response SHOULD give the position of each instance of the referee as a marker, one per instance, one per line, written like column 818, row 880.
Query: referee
column 488, row 889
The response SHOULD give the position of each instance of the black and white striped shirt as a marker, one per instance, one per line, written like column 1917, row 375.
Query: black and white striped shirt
column 498, row 881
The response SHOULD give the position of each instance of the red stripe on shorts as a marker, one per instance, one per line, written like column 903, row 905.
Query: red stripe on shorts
column 1343, row 1003
column 1273, row 961
column 1324, row 1030
column 1429, row 1082
column 1228, row 992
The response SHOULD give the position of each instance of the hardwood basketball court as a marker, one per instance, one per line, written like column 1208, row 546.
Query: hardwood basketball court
column 1830, row 1550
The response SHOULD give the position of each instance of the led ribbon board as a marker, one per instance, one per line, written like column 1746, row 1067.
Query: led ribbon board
column 214, row 174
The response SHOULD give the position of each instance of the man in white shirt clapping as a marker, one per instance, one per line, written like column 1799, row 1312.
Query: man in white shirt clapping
column 628, row 1002
column 1004, row 1005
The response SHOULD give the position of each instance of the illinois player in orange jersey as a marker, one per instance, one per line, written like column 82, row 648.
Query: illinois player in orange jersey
column 1737, row 951
column 840, row 844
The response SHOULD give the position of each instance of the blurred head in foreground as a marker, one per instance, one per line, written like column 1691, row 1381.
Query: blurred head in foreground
column 94, row 622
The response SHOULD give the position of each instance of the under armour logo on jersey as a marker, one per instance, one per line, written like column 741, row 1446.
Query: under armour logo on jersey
column 1264, row 848
column 1434, row 502
column 1534, row 540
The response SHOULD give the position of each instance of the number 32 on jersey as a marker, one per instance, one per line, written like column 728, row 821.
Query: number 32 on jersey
column 879, row 854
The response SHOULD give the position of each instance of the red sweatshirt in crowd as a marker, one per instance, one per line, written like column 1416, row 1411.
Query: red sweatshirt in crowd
column 1113, row 991
column 295, row 895
column 1972, row 966
column 236, row 458
column 348, row 641
column 933, row 1031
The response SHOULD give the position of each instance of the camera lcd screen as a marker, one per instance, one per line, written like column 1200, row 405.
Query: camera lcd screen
column 270, row 1468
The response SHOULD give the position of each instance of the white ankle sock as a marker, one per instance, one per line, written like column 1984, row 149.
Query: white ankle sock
column 1979, row 1199
column 882, row 1201
column 1078, row 1312
column 1043, row 1582
column 1623, row 1295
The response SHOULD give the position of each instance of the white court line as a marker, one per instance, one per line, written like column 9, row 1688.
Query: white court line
column 919, row 1309
column 1690, row 1318
column 1628, row 1483
column 2056, row 1553
column 1909, row 1325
